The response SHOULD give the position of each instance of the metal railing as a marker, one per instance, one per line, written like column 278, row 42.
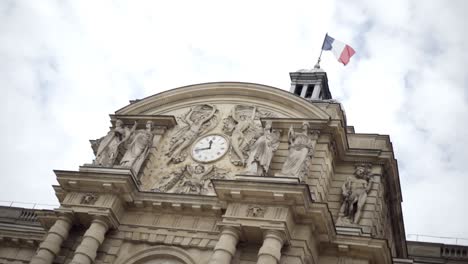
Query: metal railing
column 438, row 239
column 28, row 205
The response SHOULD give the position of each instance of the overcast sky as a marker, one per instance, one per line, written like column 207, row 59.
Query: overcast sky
column 66, row 65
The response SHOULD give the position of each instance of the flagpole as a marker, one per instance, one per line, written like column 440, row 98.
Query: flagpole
column 317, row 66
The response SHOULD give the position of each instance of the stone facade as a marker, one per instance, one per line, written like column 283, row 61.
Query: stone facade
column 223, row 173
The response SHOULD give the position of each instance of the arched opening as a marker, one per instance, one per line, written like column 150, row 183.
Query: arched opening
column 160, row 255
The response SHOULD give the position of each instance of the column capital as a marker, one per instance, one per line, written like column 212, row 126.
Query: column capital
column 66, row 216
column 102, row 220
column 279, row 235
column 106, row 219
column 231, row 230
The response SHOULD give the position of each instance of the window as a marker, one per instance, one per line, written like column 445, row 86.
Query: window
column 298, row 89
column 309, row 91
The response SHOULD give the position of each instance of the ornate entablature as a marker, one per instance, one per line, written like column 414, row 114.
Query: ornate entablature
column 185, row 175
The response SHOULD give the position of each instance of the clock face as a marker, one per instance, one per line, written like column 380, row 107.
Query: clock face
column 210, row 148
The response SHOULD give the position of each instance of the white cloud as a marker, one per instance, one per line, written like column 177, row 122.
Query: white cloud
column 67, row 65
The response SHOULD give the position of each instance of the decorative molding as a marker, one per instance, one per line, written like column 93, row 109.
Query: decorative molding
column 89, row 198
column 256, row 211
column 167, row 236
column 171, row 255
column 191, row 179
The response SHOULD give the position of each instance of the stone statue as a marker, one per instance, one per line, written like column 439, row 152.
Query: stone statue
column 354, row 191
column 301, row 148
column 196, row 121
column 240, row 125
column 261, row 152
column 138, row 148
column 107, row 147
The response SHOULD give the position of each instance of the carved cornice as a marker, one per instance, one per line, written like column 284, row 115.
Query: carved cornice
column 293, row 197
column 203, row 240
column 166, row 121
column 227, row 91
column 117, row 188
column 376, row 250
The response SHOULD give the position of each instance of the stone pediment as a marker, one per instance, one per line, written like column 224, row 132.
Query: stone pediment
column 276, row 100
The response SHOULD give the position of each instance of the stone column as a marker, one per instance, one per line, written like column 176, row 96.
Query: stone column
column 304, row 90
column 86, row 252
column 316, row 92
column 50, row 247
column 270, row 252
column 226, row 246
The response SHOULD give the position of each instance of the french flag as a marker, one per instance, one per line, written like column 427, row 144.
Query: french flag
column 342, row 51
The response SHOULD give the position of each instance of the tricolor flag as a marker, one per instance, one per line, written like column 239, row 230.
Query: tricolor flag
column 341, row 51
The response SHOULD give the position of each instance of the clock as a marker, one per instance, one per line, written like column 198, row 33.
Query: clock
column 210, row 148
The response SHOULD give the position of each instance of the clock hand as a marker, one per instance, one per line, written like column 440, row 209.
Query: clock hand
column 201, row 149
column 211, row 142
column 209, row 147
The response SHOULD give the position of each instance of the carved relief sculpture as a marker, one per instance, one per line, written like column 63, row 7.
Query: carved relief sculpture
column 354, row 192
column 261, row 153
column 244, row 127
column 193, row 182
column 255, row 211
column 137, row 150
column 192, row 179
column 195, row 122
column 168, row 182
column 89, row 199
column 239, row 124
column 301, row 148
column 107, row 148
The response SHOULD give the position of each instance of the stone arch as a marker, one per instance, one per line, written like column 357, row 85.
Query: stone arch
column 152, row 254
column 281, row 101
